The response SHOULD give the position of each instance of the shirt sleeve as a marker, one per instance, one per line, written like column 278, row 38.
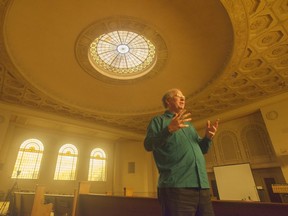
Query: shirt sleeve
column 204, row 144
column 157, row 134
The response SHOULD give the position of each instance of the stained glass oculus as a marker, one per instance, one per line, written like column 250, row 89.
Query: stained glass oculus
column 122, row 54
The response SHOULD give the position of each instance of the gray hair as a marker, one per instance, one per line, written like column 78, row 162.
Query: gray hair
column 170, row 93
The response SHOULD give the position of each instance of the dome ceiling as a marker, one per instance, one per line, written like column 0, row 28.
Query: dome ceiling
column 223, row 55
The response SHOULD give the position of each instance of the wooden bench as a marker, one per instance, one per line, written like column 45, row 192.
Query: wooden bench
column 24, row 201
column 246, row 208
column 91, row 205
column 104, row 205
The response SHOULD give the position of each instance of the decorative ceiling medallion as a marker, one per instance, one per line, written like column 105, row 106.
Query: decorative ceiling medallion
column 121, row 50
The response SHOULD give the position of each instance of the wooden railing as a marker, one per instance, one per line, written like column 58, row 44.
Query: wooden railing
column 90, row 204
column 83, row 203
column 25, row 201
column 246, row 208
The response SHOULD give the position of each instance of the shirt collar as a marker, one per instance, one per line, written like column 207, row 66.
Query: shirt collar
column 169, row 114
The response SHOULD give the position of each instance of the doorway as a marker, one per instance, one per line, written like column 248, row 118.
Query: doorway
column 274, row 197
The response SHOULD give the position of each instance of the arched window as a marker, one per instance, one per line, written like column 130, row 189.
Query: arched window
column 28, row 161
column 97, row 167
column 66, row 163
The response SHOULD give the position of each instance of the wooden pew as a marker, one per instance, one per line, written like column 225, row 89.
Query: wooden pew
column 23, row 203
column 83, row 188
column 39, row 208
column 246, row 208
column 104, row 205
column 62, row 204
column 91, row 205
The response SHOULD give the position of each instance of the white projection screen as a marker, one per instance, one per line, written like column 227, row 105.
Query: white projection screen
column 236, row 182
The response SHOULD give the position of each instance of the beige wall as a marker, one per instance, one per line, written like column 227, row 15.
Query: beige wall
column 141, row 180
column 120, row 152
column 276, row 120
column 246, row 140
column 4, row 124
column 52, row 141
column 242, row 140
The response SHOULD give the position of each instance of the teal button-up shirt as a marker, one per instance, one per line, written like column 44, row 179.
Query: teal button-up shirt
column 179, row 156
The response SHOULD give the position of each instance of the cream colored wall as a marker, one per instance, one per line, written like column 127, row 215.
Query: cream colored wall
column 52, row 141
column 144, row 181
column 240, row 150
column 4, row 124
column 141, row 182
column 264, row 164
column 276, row 120
column 119, row 154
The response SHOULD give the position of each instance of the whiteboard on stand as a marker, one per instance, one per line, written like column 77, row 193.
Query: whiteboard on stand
column 236, row 182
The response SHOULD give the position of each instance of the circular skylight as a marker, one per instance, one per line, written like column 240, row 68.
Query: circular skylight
column 117, row 56
column 122, row 55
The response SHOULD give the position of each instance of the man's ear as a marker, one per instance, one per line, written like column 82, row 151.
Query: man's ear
column 167, row 102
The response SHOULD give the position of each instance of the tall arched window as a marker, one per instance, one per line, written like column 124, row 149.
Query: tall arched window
column 28, row 161
column 66, row 163
column 97, row 167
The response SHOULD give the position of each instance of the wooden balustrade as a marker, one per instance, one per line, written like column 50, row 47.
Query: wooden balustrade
column 90, row 204
column 83, row 203
column 246, row 208
column 62, row 204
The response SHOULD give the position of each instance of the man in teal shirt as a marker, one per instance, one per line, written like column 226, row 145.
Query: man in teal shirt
column 178, row 150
